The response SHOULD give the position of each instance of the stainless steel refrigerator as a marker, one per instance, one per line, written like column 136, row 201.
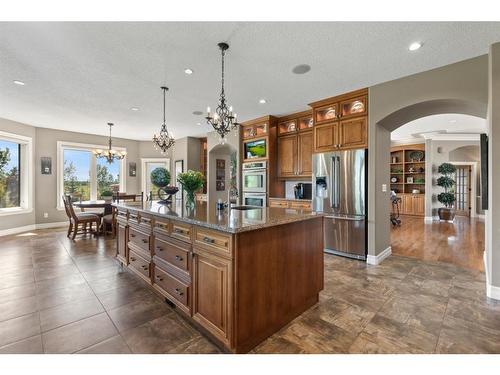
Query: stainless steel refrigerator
column 339, row 191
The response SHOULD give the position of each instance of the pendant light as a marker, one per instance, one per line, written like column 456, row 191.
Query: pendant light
column 164, row 140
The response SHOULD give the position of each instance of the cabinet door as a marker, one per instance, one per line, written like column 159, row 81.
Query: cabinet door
column 305, row 148
column 353, row 133
column 121, row 244
column 325, row 137
column 407, row 204
column 212, row 294
column 278, row 203
column 287, row 156
column 419, row 205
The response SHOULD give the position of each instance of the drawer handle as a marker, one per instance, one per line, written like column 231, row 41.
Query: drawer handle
column 208, row 239
column 179, row 258
column 132, row 259
column 132, row 235
column 159, row 278
column 144, row 240
column 178, row 292
column 144, row 267
column 177, row 230
column 159, row 248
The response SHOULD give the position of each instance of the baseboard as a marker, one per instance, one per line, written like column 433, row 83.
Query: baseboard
column 492, row 291
column 428, row 219
column 480, row 217
column 377, row 259
column 31, row 227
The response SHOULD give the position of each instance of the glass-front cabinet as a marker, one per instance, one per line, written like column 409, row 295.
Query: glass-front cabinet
column 289, row 126
column 353, row 107
column 326, row 113
column 256, row 130
column 306, row 123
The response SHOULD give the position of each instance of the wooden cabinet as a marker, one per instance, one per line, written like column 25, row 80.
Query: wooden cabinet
column 326, row 137
column 258, row 129
column 288, row 203
column 121, row 244
column 412, row 204
column 287, row 159
column 341, row 122
column 304, row 154
column 212, row 294
column 353, row 134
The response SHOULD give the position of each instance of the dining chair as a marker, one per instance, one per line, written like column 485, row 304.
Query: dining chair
column 79, row 219
column 117, row 197
column 109, row 220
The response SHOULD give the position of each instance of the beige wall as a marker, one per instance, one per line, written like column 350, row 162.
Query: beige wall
column 461, row 85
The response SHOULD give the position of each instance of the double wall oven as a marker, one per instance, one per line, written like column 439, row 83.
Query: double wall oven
column 255, row 183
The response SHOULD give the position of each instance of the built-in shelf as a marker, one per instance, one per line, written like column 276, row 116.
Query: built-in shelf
column 400, row 165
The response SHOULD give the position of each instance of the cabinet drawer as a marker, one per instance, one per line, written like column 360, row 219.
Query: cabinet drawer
column 173, row 252
column 140, row 221
column 181, row 231
column 301, row 205
column 172, row 286
column 214, row 241
column 121, row 217
column 162, row 226
column 273, row 203
column 140, row 264
column 139, row 239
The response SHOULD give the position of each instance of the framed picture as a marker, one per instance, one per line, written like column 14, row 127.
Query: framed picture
column 220, row 185
column 132, row 169
column 178, row 168
column 409, row 180
column 46, row 165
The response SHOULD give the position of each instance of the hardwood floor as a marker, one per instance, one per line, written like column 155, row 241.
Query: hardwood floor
column 460, row 243
column 59, row 296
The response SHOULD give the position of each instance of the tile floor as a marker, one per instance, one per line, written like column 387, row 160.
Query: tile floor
column 57, row 296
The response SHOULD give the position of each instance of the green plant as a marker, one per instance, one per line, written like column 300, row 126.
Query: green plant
column 447, row 182
column 191, row 181
column 160, row 177
column 107, row 193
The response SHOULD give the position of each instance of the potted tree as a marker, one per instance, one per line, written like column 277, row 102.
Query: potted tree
column 447, row 197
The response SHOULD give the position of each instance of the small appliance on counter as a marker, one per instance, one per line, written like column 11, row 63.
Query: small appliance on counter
column 302, row 190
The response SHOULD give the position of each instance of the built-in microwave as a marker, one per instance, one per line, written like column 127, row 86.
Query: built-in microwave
column 255, row 177
column 255, row 199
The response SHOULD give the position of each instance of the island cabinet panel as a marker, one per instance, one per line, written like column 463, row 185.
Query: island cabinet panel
column 182, row 231
column 139, row 238
column 213, row 241
column 212, row 294
column 140, row 265
column 287, row 148
column 121, row 244
column 173, row 252
column 274, row 278
column 177, row 290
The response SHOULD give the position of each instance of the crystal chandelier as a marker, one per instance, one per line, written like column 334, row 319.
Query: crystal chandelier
column 223, row 120
column 164, row 140
column 110, row 154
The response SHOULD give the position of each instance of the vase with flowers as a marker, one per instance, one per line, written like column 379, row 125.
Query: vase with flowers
column 191, row 182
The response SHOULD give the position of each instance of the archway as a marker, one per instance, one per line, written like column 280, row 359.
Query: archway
column 222, row 171
column 383, row 129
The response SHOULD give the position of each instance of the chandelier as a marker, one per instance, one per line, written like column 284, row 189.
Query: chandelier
column 110, row 154
column 164, row 140
column 222, row 120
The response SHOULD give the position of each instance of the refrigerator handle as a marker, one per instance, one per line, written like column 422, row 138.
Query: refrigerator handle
column 333, row 190
column 337, row 182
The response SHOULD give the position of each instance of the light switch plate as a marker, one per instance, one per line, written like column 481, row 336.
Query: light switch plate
column 384, row 188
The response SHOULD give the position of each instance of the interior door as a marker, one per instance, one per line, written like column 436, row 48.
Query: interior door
column 463, row 190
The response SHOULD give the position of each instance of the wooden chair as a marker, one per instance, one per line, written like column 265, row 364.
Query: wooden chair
column 117, row 197
column 110, row 219
column 80, row 219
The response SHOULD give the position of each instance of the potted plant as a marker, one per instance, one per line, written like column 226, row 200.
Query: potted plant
column 107, row 195
column 160, row 177
column 191, row 182
column 447, row 197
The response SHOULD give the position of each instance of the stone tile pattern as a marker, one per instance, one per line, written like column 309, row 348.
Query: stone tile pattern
column 59, row 296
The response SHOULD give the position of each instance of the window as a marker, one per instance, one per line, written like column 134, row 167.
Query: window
column 84, row 176
column 147, row 167
column 10, row 181
column 15, row 174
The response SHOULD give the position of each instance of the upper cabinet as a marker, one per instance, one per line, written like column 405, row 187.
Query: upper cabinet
column 256, row 130
column 295, row 145
column 341, row 122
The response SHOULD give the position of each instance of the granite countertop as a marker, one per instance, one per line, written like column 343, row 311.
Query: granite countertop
column 231, row 221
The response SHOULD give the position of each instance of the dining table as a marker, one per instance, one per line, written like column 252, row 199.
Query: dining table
column 107, row 205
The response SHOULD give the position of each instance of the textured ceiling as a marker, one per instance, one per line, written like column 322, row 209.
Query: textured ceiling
column 79, row 76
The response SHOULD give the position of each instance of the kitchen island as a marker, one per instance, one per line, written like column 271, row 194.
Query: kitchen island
column 239, row 275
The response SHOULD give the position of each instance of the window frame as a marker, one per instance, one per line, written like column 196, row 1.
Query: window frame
column 144, row 162
column 63, row 145
column 25, row 174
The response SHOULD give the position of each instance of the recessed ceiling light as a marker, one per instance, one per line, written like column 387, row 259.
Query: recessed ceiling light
column 188, row 71
column 301, row 69
column 262, row 101
column 198, row 123
column 197, row 113
column 414, row 46
column 135, row 109
column 20, row 83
